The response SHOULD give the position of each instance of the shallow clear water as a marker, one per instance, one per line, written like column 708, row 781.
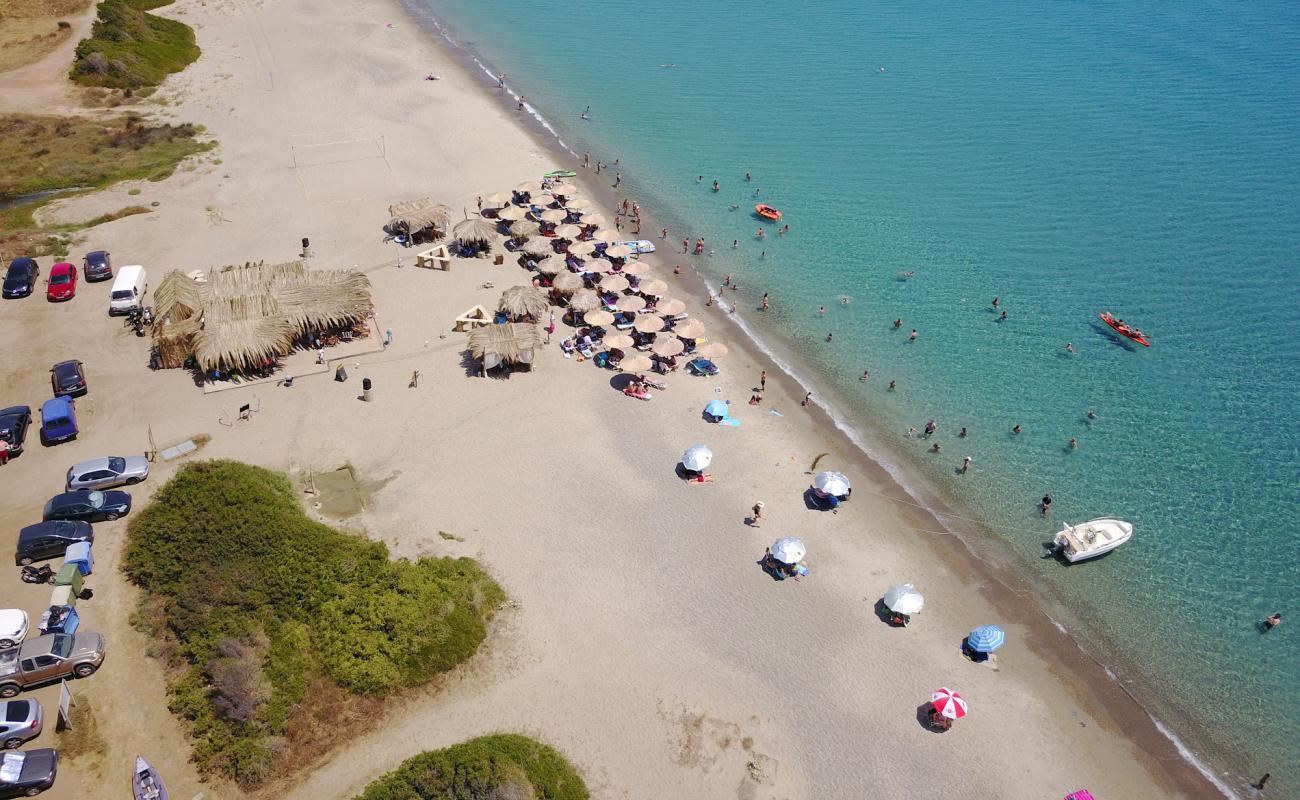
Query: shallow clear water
column 1067, row 158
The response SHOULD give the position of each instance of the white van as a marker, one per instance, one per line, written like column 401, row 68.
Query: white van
column 128, row 290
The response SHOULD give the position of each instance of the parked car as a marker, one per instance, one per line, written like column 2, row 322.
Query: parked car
column 49, row 658
column 20, row 721
column 68, row 378
column 58, row 421
column 13, row 627
column 27, row 773
column 88, row 506
column 13, row 427
column 62, row 284
column 107, row 472
column 46, row 540
column 20, row 280
column 97, row 266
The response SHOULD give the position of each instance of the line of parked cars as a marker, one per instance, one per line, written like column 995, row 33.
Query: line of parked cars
column 23, row 275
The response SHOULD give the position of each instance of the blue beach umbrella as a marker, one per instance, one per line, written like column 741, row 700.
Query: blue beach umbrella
column 986, row 638
column 717, row 408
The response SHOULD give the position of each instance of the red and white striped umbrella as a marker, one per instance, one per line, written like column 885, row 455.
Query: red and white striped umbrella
column 949, row 703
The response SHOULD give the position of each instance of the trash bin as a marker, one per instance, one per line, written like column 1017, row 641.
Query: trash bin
column 340, row 374
column 63, row 596
column 70, row 575
column 79, row 553
column 366, row 386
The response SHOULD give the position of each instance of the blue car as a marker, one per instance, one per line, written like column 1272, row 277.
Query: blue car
column 58, row 421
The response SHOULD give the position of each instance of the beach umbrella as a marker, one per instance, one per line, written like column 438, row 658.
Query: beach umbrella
column 618, row 251
column 524, row 301
column 717, row 408
column 584, row 300
column 528, row 187
column 511, row 213
column 635, row 268
column 630, row 303
column 552, row 264
column 613, row 283
column 671, row 307
column 986, row 639
column 496, row 200
column 594, row 218
column 605, row 235
column 582, row 248
column 567, row 282
column 619, row 340
column 712, row 350
column 789, row 550
column 598, row 317
column 949, row 703
column 831, row 482
column 635, row 363
column 567, row 231
column 904, row 598
column 539, row 249
column 698, row 457
column 667, row 346
column 576, row 202
column 649, row 323
column 654, row 287
column 596, row 265
column 690, row 329
column 475, row 229
column 554, row 215
column 523, row 228
column 541, row 199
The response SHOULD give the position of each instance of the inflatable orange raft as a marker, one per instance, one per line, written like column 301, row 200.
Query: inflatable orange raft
column 767, row 212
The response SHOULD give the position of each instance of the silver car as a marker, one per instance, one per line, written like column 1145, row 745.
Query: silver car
column 20, row 721
column 105, row 473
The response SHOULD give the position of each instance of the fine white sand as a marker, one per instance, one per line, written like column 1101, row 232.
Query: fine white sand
column 641, row 637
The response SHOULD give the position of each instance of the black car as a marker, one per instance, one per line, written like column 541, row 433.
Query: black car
column 97, row 266
column 88, row 506
column 32, row 771
column 68, row 379
column 50, row 539
column 13, row 427
column 20, row 280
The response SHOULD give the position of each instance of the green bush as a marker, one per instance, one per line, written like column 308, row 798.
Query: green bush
column 129, row 48
column 486, row 768
column 240, row 575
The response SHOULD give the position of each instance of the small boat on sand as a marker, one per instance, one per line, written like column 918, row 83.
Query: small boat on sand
column 1091, row 539
column 767, row 212
column 147, row 784
column 1134, row 334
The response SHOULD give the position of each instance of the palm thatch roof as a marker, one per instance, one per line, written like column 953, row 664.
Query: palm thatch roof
column 512, row 343
column 524, row 301
column 523, row 228
column 584, row 300
column 242, row 316
column 567, row 281
column 474, row 229
column 538, row 248
column 416, row 215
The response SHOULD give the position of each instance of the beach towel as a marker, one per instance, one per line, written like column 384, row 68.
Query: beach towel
column 735, row 423
column 1082, row 794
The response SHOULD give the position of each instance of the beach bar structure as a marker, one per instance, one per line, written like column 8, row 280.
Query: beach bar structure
column 420, row 219
column 510, row 344
column 242, row 316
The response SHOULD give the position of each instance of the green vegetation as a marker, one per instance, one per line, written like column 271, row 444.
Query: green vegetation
column 260, row 602
column 129, row 48
column 500, row 767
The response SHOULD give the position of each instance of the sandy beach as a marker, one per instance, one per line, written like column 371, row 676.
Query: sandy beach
column 641, row 639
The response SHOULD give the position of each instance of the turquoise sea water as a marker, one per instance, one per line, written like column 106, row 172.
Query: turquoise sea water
column 1067, row 158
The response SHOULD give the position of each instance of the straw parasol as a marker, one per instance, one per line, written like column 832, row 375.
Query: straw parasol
column 552, row 264
column 567, row 282
column 598, row 317
column 528, row 187
column 577, row 202
column 649, row 323
column 567, row 231
column 630, row 302
column 690, row 329
column 712, row 350
column 584, row 300
column 671, row 307
column 635, row 268
column 554, row 215
column 511, row 213
column 416, row 215
column 495, row 200
column 653, row 287
column 596, row 265
column 474, row 230
column 605, row 235
column 617, row 340
column 512, row 343
column 594, row 218
column 635, row 363
column 618, row 251
column 613, row 283
column 582, row 248
column 667, row 346
column 523, row 228
column 538, row 248
column 524, row 301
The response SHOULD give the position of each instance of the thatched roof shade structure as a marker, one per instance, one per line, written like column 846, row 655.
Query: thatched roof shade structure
column 523, row 228
column 242, row 316
column 414, row 215
column 523, row 302
column 475, row 230
column 514, row 343
column 567, row 282
column 585, row 300
column 539, row 248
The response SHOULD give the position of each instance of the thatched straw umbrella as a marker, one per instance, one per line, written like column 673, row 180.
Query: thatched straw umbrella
column 539, row 248
column 496, row 200
column 528, row 187
column 582, row 248
column 567, row 282
column 522, row 302
column 598, row 317
column 577, row 202
column 551, row 265
column 554, row 215
column 596, row 219
column 608, row 235
column 618, row 251
column 584, row 300
column 613, row 283
column 512, row 213
column 474, row 231
column 649, row 323
column 514, row 343
column 667, row 346
column 635, row 363
column 410, row 216
column 635, row 268
column 690, row 329
column 568, row 231
column 619, row 340
column 596, row 265
column 670, row 307
column 712, row 350
column 653, row 287
column 630, row 302
column 523, row 228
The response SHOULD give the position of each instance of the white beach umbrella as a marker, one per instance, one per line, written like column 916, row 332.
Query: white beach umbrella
column 618, row 251
column 598, row 317
column 698, row 457
column 831, row 482
column 649, row 323
column 635, row 363
column 667, row 346
column 619, row 340
column 712, row 350
column 511, row 213
column 690, row 329
column 605, row 235
column 581, row 248
column 613, row 283
column 630, row 302
column 596, row 265
column 554, row 215
column 904, row 598
column 789, row 550
column 670, row 307
column 654, row 286
column 635, row 268
column 566, row 231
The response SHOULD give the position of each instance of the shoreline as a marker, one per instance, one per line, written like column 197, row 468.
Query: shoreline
column 1093, row 682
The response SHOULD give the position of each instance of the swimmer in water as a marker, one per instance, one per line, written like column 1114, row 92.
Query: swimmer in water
column 748, row 178
column 965, row 464
column 893, row 385
column 898, row 323
column 716, row 186
column 908, row 274
column 1092, row 414
column 866, row 375
column 587, row 113
column 912, row 338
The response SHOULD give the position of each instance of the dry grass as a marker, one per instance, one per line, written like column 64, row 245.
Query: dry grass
column 82, row 738
column 29, row 29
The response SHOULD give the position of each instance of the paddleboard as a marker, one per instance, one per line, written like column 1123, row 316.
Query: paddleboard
column 561, row 173
column 640, row 247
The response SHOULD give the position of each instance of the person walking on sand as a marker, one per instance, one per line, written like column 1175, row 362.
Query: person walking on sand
column 757, row 514
column 415, row 380
column 586, row 159
column 480, row 203
column 521, row 103
column 806, row 399
column 686, row 246
column 762, row 380
column 618, row 179
column 965, row 464
column 501, row 82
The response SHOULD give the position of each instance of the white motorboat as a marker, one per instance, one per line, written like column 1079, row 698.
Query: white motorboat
column 1091, row 539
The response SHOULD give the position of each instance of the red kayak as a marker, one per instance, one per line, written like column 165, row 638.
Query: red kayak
column 1133, row 334
column 767, row 212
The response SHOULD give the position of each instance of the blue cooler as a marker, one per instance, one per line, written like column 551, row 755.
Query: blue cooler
column 60, row 619
column 79, row 553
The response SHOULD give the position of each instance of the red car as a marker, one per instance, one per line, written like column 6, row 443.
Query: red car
column 62, row 283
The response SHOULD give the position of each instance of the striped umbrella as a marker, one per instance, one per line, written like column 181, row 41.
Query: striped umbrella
column 948, row 703
column 986, row 639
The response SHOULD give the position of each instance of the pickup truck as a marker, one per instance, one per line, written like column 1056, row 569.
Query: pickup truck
column 48, row 658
